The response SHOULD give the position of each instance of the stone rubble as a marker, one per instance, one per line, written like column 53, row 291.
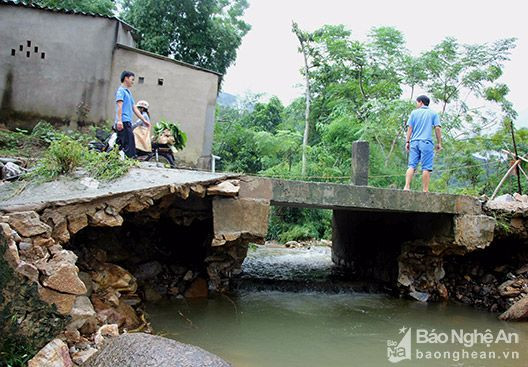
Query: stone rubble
column 104, row 299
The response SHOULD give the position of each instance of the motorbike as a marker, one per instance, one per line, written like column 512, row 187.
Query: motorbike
column 107, row 141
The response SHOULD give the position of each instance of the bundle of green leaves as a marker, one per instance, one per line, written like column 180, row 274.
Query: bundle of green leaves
column 180, row 138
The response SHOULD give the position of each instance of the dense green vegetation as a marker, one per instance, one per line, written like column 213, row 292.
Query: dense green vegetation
column 365, row 91
column 61, row 152
column 205, row 33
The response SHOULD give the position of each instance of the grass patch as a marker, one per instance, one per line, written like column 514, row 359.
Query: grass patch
column 65, row 155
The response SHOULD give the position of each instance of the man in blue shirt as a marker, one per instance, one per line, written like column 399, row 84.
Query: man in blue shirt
column 419, row 142
column 125, row 107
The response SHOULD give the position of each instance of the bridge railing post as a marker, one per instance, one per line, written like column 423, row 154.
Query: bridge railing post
column 360, row 163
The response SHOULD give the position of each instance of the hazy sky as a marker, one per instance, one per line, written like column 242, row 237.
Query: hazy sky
column 268, row 60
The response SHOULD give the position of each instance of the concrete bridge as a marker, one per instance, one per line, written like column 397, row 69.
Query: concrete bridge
column 388, row 235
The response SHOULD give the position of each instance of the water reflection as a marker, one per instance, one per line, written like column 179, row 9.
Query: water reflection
column 277, row 328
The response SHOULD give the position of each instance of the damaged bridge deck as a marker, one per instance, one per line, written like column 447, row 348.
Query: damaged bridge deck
column 277, row 192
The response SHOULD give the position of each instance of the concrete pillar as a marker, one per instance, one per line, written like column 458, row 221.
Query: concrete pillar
column 344, row 237
column 360, row 163
column 345, row 223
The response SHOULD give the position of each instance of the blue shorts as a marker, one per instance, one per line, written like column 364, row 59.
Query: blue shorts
column 421, row 151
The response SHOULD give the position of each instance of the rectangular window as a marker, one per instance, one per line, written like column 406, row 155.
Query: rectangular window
column 160, row 81
column 36, row 49
column 28, row 43
column 28, row 54
column 13, row 52
column 43, row 55
column 141, row 80
column 21, row 48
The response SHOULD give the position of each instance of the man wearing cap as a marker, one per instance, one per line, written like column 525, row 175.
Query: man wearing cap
column 419, row 142
column 125, row 108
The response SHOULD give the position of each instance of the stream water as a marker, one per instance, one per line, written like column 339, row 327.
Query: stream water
column 331, row 325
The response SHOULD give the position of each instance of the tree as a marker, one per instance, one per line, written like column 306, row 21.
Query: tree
column 303, row 38
column 103, row 7
column 204, row 33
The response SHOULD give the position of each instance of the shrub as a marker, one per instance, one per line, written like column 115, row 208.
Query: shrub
column 107, row 166
column 65, row 154
column 62, row 157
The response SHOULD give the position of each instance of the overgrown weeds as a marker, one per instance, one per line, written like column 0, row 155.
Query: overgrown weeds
column 65, row 155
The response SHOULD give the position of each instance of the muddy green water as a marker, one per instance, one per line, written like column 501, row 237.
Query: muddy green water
column 275, row 328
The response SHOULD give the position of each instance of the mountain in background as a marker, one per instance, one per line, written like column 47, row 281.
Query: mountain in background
column 227, row 100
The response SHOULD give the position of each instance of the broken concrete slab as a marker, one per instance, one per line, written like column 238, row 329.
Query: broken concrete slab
column 65, row 190
column 234, row 217
column 474, row 231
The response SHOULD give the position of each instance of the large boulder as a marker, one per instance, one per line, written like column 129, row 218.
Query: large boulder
column 144, row 350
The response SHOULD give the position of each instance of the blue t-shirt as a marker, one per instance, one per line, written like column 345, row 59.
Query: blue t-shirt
column 123, row 94
column 422, row 121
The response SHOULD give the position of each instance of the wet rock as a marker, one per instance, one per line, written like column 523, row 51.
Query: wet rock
column 197, row 289
column 28, row 224
column 517, row 312
column 63, row 302
column 54, row 354
column 148, row 270
column 139, row 349
column 64, row 279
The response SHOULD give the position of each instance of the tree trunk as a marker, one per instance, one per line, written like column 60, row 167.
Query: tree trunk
column 301, row 39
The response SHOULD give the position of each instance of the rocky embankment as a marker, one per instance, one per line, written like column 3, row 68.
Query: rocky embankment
column 496, row 278
column 77, row 273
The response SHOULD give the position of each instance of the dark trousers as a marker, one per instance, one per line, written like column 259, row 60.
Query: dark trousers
column 126, row 140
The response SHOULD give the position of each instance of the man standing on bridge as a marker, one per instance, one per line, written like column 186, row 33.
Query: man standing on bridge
column 419, row 142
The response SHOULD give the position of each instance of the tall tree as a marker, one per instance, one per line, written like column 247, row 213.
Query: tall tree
column 103, row 7
column 303, row 38
column 205, row 33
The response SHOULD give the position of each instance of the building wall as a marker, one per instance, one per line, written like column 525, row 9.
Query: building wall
column 187, row 96
column 69, row 72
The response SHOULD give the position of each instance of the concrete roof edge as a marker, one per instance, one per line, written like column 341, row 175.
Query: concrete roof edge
column 165, row 58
